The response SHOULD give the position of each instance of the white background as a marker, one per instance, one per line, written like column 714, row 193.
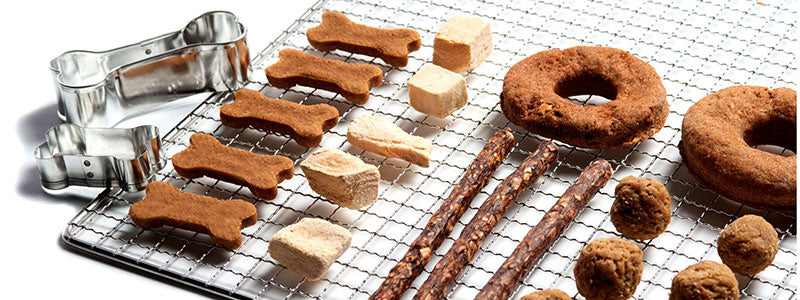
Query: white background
column 36, row 264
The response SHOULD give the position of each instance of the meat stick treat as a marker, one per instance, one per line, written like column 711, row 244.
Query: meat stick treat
column 441, row 223
column 380, row 136
column 542, row 236
column 304, row 123
column 207, row 157
column 482, row 224
column 337, row 32
column 352, row 81
column 223, row 220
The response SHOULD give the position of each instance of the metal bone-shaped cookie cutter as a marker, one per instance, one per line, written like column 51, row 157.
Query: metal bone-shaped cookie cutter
column 99, row 157
column 99, row 89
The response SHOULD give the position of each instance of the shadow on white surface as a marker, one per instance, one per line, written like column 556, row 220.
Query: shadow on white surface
column 30, row 130
column 121, row 266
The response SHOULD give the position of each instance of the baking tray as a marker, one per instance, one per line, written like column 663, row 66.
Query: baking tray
column 697, row 48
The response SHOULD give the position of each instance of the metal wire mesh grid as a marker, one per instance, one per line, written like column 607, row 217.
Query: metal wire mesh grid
column 697, row 48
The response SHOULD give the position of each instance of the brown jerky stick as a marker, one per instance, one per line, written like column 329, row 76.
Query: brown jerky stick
column 482, row 224
column 207, row 157
column 223, row 220
column 352, row 81
column 337, row 32
column 541, row 236
column 304, row 123
column 441, row 223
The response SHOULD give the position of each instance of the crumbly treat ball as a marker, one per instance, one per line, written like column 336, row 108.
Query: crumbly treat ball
column 748, row 245
column 641, row 208
column 705, row 280
column 546, row 295
column 608, row 269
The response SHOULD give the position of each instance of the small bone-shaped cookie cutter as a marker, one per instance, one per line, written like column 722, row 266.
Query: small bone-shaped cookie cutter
column 99, row 89
column 99, row 157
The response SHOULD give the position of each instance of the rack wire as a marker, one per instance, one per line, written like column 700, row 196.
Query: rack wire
column 697, row 48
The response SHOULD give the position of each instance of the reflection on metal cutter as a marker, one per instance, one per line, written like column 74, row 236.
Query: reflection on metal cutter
column 99, row 89
column 99, row 157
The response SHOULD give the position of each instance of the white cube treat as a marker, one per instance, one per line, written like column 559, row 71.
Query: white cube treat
column 437, row 91
column 342, row 178
column 309, row 247
column 462, row 44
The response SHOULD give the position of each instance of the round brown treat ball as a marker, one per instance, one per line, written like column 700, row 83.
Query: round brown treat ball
column 546, row 295
column 748, row 245
column 705, row 280
column 641, row 208
column 608, row 269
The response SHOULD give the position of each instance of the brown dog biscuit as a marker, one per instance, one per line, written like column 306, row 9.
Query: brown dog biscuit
column 223, row 220
column 535, row 88
column 206, row 156
column 337, row 32
column 717, row 139
column 304, row 123
column 352, row 81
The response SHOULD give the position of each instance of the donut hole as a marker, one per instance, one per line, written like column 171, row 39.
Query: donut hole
column 587, row 89
column 775, row 149
column 776, row 135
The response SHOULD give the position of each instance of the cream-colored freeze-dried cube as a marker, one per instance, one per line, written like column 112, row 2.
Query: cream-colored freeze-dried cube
column 382, row 137
column 462, row 43
column 309, row 247
column 437, row 91
column 342, row 178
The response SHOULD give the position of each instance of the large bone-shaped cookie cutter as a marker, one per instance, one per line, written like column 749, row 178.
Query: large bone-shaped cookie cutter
column 99, row 89
column 99, row 157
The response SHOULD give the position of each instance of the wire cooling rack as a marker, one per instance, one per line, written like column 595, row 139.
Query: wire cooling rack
column 697, row 48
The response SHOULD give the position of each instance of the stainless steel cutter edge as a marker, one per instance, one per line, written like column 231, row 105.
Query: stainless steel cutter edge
column 99, row 89
column 99, row 157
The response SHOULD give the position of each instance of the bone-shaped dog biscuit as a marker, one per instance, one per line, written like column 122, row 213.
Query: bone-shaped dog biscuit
column 383, row 137
column 352, row 81
column 337, row 32
column 223, row 220
column 304, row 123
column 206, row 156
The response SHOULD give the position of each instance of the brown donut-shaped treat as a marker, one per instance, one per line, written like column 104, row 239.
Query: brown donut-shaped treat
column 716, row 140
column 534, row 90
